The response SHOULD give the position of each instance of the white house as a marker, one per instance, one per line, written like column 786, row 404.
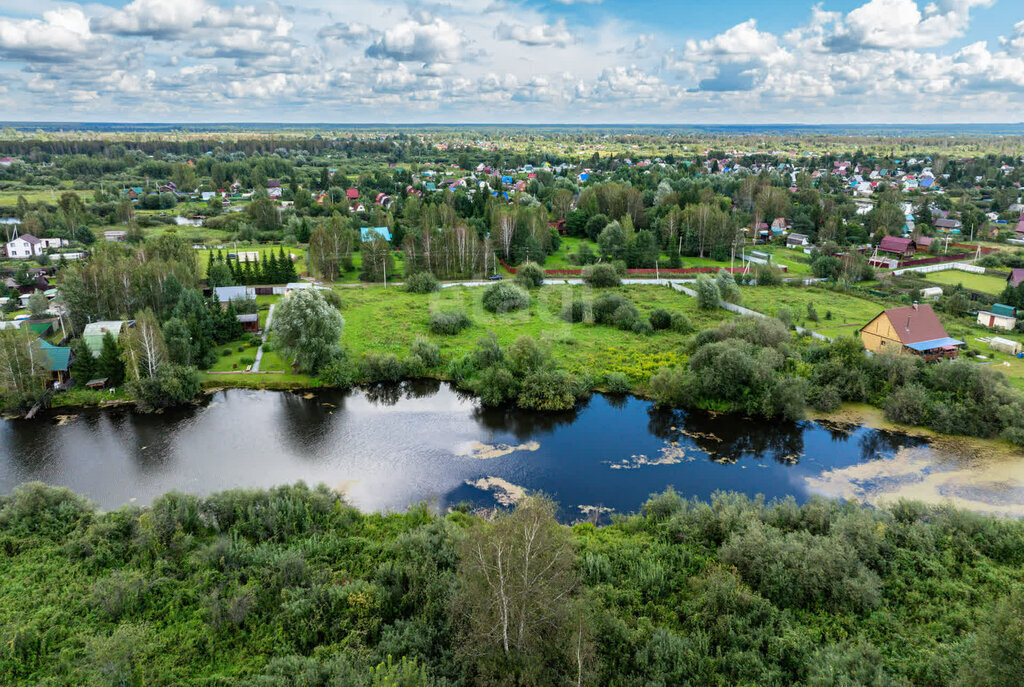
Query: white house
column 24, row 246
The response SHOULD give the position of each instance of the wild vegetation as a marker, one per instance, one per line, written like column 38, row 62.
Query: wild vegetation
column 291, row 586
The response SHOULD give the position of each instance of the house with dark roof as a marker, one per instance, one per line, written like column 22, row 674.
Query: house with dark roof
column 24, row 246
column 898, row 246
column 1015, row 278
column 914, row 329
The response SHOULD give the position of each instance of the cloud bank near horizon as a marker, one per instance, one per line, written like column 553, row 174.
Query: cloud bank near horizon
column 507, row 61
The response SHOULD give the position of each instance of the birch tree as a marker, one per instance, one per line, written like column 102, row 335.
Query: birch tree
column 517, row 587
column 24, row 367
column 143, row 348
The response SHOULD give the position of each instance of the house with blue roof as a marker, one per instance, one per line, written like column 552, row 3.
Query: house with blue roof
column 372, row 233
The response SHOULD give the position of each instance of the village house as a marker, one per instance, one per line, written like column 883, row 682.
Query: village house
column 895, row 245
column 95, row 331
column 24, row 246
column 1015, row 278
column 797, row 240
column 914, row 329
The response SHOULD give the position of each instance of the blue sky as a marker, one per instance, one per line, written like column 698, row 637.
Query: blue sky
column 530, row 61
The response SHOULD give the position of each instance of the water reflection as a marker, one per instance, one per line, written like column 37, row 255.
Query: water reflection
column 392, row 445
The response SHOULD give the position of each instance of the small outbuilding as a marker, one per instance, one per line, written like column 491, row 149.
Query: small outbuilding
column 1004, row 345
column 1000, row 317
column 250, row 321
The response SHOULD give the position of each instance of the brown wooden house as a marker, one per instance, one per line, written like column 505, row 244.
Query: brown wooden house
column 913, row 329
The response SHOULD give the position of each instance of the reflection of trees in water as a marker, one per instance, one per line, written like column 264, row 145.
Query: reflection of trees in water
column 879, row 442
column 523, row 424
column 383, row 394
column 725, row 438
column 306, row 423
column 617, row 401
column 838, row 431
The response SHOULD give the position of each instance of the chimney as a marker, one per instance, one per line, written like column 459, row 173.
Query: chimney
column 908, row 323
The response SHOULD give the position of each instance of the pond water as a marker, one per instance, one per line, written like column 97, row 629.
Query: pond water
column 388, row 447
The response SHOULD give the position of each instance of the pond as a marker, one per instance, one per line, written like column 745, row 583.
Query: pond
column 391, row 446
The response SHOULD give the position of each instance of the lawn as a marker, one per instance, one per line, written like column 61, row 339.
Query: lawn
column 838, row 313
column 10, row 198
column 389, row 323
column 233, row 361
column 985, row 283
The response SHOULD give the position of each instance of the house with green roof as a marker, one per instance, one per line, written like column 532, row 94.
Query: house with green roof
column 95, row 331
column 60, row 361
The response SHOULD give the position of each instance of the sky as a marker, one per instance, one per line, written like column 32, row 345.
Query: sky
column 514, row 61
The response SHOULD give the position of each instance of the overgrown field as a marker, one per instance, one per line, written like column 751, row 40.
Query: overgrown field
column 389, row 322
column 291, row 587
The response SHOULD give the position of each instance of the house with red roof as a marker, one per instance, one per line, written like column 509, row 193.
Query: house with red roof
column 914, row 329
column 898, row 246
column 352, row 194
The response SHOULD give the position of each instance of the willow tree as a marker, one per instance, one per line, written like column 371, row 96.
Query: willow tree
column 308, row 329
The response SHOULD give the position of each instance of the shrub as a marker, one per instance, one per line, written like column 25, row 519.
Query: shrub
column 605, row 306
column 382, row 368
column 488, row 351
column 412, row 366
column 530, row 275
column 422, row 282
column 707, row 293
column 668, row 386
column 642, row 327
column 768, row 275
column 171, row 385
column 525, row 355
column 241, row 348
column 660, row 319
column 449, row 322
column 577, row 311
column 548, row 390
column 907, row 405
column 727, row 287
column 496, row 386
column 617, row 383
column 681, row 323
column 338, row 373
column 504, row 297
column 625, row 315
column 226, row 352
column 247, row 360
column 601, row 275
column 828, row 399
column 427, row 351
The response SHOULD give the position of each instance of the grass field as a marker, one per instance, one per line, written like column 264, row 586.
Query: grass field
column 10, row 198
column 838, row 313
column 985, row 283
column 233, row 361
column 375, row 322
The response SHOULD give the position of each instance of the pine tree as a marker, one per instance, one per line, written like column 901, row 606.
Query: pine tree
column 236, row 270
column 266, row 269
column 209, row 263
column 248, row 275
column 109, row 364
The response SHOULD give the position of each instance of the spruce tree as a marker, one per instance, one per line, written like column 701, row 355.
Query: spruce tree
column 83, row 369
column 288, row 271
column 109, row 364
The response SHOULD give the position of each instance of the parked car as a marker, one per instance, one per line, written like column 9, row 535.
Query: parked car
column 495, row 277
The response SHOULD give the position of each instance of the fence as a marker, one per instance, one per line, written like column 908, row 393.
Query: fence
column 941, row 267
column 645, row 271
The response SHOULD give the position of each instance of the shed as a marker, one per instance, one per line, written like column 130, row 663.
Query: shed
column 932, row 292
column 226, row 294
column 60, row 360
column 999, row 316
column 796, row 240
column 250, row 321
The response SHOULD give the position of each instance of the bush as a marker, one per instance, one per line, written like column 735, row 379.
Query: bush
column 504, row 297
column 171, row 385
column 577, row 311
column 625, row 315
column 642, row 327
column 530, row 275
column 547, row 390
column 727, row 287
column 247, row 360
column 660, row 319
column 617, row 383
column 681, row 323
column 605, row 306
column 768, row 275
column 427, row 351
column 449, row 322
column 338, row 374
column 907, row 405
column 226, row 352
column 382, row 368
column 496, row 386
column 422, row 282
column 601, row 275
column 707, row 293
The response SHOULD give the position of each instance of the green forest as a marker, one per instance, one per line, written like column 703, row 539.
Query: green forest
column 292, row 586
